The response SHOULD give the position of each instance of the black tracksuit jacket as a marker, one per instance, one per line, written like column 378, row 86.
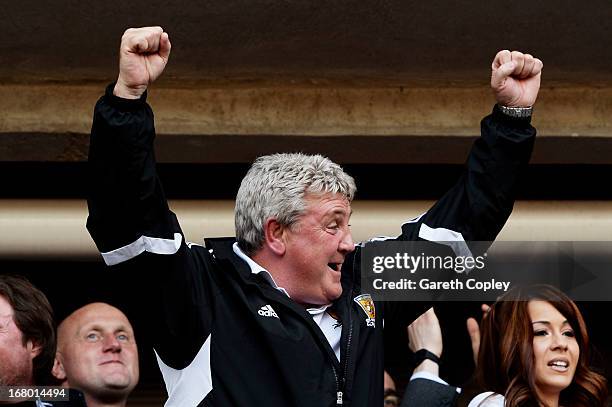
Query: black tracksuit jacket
column 200, row 304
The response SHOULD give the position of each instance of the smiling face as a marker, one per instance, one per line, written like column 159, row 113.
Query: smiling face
column 97, row 352
column 316, row 246
column 555, row 348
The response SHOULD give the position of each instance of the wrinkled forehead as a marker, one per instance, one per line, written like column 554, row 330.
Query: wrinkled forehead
column 327, row 202
column 312, row 196
column 7, row 317
column 5, row 321
column 5, row 307
column 315, row 198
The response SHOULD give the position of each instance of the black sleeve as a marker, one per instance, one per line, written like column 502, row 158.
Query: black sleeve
column 478, row 205
column 427, row 393
column 140, row 237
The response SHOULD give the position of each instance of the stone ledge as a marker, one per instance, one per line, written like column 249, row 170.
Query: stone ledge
column 236, row 123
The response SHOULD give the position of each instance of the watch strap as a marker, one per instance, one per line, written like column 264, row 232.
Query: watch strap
column 422, row 354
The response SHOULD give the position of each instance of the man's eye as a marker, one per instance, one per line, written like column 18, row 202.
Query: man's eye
column 122, row 337
column 92, row 337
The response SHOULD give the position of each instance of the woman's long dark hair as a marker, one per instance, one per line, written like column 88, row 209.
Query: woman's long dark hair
column 506, row 359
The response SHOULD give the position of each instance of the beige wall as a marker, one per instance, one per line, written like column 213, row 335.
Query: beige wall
column 53, row 229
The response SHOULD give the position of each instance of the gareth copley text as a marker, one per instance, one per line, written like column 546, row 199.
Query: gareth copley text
column 427, row 284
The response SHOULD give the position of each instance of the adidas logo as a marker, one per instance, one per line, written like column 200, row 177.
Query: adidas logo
column 267, row 311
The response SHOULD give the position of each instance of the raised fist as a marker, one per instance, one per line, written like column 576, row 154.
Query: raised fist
column 425, row 333
column 143, row 55
column 515, row 78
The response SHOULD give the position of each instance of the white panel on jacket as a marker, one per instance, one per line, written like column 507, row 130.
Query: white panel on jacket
column 187, row 387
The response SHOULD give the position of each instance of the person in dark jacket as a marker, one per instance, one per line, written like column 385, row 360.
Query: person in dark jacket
column 27, row 347
column 276, row 316
column 426, row 388
column 97, row 354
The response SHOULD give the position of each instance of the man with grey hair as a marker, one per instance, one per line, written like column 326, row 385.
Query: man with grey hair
column 276, row 318
column 287, row 202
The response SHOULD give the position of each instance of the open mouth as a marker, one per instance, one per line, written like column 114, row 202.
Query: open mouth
column 335, row 266
column 559, row 365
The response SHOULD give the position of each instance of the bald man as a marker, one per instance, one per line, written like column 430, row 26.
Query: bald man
column 97, row 354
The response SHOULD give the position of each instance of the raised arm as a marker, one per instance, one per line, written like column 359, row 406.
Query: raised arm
column 127, row 206
column 129, row 218
column 478, row 205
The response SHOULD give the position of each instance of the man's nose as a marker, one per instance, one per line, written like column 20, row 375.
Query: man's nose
column 111, row 344
column 346, row 244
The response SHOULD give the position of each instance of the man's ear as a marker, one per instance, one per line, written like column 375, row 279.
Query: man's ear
column 34, row 349
column 58, row 368
column 274, row 236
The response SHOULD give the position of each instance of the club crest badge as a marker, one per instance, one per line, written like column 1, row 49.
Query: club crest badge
column 367, row 305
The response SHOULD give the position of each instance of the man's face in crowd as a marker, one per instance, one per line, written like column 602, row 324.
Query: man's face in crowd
column 15, row 357
column 390, row 396
column 97, row 352
column 316, row 247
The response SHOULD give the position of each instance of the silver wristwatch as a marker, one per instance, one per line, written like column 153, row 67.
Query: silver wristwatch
column 516, row 111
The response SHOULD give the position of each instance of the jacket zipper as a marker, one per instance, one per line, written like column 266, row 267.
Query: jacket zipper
column 340, row 387
column 346, row 357
column 338, row 391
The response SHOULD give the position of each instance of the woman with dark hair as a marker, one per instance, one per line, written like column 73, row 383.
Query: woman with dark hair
column 534, row 351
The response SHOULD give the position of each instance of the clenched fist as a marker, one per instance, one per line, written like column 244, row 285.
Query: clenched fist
column 143, row 55
column 425, row 333
column 515, row 78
